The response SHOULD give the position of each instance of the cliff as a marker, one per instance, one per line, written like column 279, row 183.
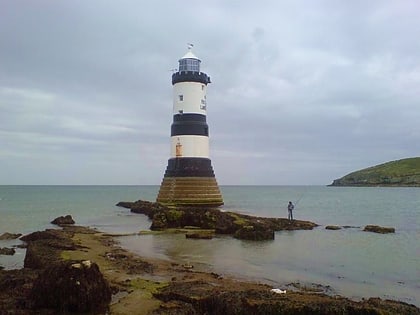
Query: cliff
column 405, row 172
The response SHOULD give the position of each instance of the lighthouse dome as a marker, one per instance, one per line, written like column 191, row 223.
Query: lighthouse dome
column 189, row 62
column 189, row 55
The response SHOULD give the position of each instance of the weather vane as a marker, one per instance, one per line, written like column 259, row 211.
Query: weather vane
column 189, row 45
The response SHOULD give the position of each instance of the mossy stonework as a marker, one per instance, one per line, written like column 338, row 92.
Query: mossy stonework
column 190, row 191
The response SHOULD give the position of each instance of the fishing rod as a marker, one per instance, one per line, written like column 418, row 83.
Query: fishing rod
column 301, row 196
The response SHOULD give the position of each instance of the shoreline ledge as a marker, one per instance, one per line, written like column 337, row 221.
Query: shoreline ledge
column 148, row 286
column 238, row 225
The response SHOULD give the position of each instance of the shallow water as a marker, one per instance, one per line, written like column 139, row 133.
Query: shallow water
column 354, row 263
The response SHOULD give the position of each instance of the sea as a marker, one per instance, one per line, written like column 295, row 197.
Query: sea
column 347, row 262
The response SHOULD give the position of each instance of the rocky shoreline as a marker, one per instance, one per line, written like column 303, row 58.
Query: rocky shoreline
column 81, row 270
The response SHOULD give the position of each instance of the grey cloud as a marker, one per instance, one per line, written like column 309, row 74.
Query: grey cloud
column 301, row 93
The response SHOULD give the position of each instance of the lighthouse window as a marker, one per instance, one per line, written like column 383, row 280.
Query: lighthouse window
column 181, row 97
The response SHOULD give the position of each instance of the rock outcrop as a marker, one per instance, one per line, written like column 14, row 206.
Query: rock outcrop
column 10, row 236
column 200, row 297
column 43, row 246
column 379, row 229
column 7, row 251
column 71, row 286
column 239, row 225
column 50, row 284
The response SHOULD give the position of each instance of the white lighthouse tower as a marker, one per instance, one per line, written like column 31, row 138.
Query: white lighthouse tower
column 189, row 178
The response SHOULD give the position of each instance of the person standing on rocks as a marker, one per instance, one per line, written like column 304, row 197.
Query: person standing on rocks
column 290, row 208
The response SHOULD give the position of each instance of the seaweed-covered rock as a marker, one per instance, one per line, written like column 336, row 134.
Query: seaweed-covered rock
column 43, row 245
column 62, row 220
column 254, row 233
column 15, row 286
column 7, row 251
column 144, row 207
column 10, row 236
column 203, row 235
column 379, row 229
column 240, row 225
column 71, row 286
column 206, row 298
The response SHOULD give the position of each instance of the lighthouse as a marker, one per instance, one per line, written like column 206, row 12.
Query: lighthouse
column 189, row 178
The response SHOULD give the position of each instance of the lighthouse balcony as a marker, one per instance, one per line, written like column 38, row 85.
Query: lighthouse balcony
column 190, row 76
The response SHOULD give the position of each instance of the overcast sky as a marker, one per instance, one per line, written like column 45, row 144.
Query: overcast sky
column 302, row 93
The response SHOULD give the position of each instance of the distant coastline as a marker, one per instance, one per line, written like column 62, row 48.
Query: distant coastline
column 399, row 173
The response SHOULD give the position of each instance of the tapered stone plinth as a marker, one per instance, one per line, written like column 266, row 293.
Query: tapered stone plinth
column 190, row 191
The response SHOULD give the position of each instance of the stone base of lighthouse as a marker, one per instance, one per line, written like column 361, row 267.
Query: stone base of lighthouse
column 190, row 182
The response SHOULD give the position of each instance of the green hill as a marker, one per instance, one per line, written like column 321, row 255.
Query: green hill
column 405, row 172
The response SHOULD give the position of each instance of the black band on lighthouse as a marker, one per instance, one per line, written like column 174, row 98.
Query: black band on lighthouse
column 189, row 124
column 190, row 76
column 189, row 167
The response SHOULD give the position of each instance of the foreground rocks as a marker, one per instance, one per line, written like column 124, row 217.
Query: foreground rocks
column 79, row 276
column 238, row 225
column 50, row 284
column 71, row 286
column 197, row 299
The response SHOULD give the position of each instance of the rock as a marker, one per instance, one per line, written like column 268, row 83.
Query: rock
column 42, row 235
column 206, row 298
column 125, row 204
column 379, row 229
column 42, row 247
column 7, row 251
column 10, row 236
column 15, row 286
column 254, row 233
column 63, row 220
column 200, row 235
column 71, row 286
column 333, row 227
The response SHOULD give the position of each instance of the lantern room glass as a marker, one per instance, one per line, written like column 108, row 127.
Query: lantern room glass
column 189, row 64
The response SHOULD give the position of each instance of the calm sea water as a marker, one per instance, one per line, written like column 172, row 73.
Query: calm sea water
column 354, row 263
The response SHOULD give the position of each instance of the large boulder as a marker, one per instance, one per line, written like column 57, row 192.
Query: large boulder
column 71, row 286
column 63, row 220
